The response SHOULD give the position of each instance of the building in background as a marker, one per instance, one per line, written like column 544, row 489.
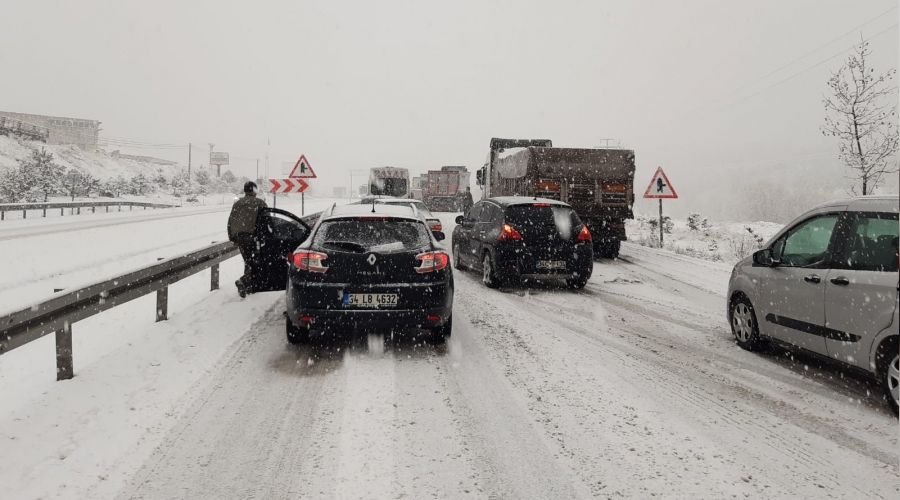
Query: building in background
column 61, row 130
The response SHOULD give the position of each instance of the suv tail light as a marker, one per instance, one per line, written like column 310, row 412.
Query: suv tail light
column 509, row 233
column 432, row 261
column 584, row 234
column 310, row 261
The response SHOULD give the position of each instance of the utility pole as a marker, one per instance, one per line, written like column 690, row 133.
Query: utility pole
column 257, row 171
column 218, row 167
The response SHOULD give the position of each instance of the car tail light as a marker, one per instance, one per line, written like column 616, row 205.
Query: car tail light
column 432, row 261
column 584, row 234
column 436, row 227
column 509, row 233
column 310, row 261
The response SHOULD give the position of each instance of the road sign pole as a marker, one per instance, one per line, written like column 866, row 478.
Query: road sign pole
column 274, row 200
column 302, row 204
column 660, row 224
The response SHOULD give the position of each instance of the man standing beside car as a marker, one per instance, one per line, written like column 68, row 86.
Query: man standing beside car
column 242, row 231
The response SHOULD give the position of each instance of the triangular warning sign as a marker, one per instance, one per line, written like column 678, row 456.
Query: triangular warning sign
column 303, row 169
column 660, row 187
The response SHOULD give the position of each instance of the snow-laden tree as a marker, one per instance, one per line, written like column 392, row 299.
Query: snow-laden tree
column 861, row 114
column 116, row 187
column 38, row 177
column 78, row 183
column 139, row 185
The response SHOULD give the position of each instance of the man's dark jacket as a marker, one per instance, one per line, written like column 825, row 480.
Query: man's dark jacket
column 243, row 216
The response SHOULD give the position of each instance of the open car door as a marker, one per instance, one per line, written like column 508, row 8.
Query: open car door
column 279, row 233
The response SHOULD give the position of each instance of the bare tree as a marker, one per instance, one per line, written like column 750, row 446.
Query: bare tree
column 860, row 113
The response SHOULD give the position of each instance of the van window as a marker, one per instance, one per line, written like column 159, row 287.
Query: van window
column 871, row 244
column 807, row 243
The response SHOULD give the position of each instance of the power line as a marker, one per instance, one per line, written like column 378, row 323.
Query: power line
column 813, row 51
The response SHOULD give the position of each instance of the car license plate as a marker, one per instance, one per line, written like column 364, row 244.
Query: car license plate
column 551, row 264
column 373, row 300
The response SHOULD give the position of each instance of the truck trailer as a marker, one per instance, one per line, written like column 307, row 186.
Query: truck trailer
column 389, row 181
column 446, row 190
column 597, row 183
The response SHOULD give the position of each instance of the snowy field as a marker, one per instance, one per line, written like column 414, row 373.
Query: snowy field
column 632, row 387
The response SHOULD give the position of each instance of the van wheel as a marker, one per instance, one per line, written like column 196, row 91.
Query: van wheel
column 744, row 325
column 295, row 335
column 488, row 275
column 888, row 363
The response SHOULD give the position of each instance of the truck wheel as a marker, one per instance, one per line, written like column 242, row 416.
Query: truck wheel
column 607, row 249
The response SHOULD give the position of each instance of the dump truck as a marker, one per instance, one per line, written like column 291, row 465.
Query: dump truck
column 445, row 190
column 597, row 182
column 389, row 181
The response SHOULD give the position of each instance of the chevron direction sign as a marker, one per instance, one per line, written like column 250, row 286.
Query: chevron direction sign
column 294, row 185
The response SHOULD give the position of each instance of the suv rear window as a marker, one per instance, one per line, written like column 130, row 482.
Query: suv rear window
column 541, row 217
column 374, row 234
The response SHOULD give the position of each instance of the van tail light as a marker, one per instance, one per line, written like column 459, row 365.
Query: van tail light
column 509, row 233
column 436, row 227
column 432, row 261
column 310, row 261
column 584, row 234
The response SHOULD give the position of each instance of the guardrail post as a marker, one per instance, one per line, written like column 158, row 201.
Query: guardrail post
column 214, row 277
column 62, row 211
column 45, row 212
column 2, row 214
column 64, row 352
column 107, row 208
column 93, row 209
column 24, row 213
column 131, row 208
column 120, row 207
column 79, row 211
column 162, row 304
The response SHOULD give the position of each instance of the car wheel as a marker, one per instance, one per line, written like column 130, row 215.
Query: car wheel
column 442, row 333
column 488, row 275
column 888, row 363
column 744, row 325
column 576, row 283
column 295, row 335
column 457, row 263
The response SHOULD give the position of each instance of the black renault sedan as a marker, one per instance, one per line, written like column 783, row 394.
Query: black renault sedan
column 513, row 238
column 370, row 266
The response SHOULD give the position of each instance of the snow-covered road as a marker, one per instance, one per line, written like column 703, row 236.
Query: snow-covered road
column 631, row 387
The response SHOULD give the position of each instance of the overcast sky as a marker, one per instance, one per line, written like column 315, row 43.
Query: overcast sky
column 688, row 85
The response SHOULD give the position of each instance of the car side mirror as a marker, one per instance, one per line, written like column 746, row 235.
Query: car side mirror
column 460, row 219
column 439, row 235
column 764, row 257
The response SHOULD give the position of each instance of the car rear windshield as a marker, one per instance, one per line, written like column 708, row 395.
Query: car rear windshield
column 540, row 217
column 371, row 234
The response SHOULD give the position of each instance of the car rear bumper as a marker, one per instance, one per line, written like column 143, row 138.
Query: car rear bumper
column 433, row 306
column 579, row 264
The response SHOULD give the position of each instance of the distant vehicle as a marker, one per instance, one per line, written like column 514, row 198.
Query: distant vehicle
column 389, row 181
column 444, row 190
column 597, row 183
column 192, row 199
column 433, row 222
column 827, row 283
column 514, row 238
column 363, row 269
column 416, row 190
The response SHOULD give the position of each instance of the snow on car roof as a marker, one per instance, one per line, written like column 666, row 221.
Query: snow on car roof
column 390, row 210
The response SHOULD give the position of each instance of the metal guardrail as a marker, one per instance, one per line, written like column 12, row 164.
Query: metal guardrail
column 75, row 205
column 57, row 314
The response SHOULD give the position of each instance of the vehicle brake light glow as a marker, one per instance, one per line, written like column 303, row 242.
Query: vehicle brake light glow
column 541, row 205
column 432, row 261
column 310, row 261
column 584, row 234
column 436, row 227
column 509, row 233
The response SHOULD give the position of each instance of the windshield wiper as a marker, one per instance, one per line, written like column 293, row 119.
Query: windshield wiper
column 347, row 245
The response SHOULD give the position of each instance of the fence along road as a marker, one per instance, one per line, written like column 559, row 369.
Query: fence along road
column 56, row 315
